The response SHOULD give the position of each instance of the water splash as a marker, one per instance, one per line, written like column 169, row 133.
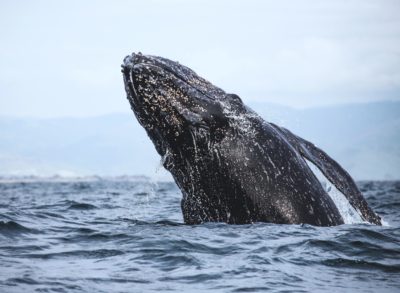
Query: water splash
column 349, row 214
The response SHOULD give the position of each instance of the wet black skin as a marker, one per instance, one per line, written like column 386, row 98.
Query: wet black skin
column 230, row 164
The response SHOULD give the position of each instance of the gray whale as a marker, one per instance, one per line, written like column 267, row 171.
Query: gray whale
column 230, row 164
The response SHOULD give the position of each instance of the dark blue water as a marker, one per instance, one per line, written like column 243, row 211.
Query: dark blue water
column 127, row 235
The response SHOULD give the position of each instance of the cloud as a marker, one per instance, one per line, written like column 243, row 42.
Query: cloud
column 58, row 58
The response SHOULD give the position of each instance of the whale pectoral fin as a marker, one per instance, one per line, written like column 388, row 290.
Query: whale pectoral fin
column 333, row 172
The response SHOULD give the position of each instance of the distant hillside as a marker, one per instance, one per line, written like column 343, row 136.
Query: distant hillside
column 105, row 145
column 364, row 138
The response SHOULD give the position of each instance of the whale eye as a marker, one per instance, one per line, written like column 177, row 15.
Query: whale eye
column 235, row 98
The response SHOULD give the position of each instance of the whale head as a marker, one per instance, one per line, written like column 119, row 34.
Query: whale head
column 174, row 104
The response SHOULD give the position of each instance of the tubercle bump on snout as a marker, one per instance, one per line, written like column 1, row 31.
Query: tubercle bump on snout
column 127, row 62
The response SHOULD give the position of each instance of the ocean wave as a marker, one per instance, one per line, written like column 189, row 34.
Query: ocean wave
column 13, row 228
column 106, row 236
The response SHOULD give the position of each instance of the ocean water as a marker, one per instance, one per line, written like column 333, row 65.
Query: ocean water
column 127, row 235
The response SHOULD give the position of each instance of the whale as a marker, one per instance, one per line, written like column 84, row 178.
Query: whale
column 230, row 164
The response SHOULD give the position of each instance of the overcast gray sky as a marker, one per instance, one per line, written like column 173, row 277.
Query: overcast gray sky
column 62, row 58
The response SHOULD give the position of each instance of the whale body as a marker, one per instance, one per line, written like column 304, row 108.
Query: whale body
column 230, row 164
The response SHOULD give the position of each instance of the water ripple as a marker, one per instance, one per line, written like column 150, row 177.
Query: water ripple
column 126, row 235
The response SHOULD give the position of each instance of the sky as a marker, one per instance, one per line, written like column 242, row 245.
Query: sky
column 62, row 58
